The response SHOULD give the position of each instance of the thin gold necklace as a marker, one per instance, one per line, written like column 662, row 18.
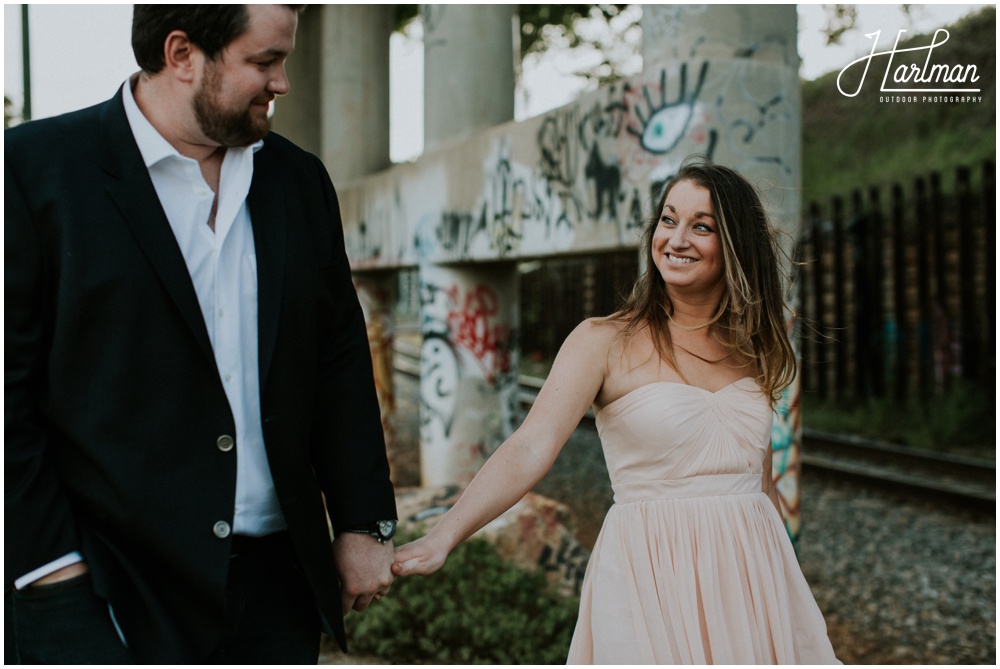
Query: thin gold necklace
column 711, row 362
column 670, row 318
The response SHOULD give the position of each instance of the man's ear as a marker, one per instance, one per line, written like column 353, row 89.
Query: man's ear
column 182, row 58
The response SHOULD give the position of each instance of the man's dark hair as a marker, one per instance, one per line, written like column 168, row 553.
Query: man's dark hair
column 209, row 27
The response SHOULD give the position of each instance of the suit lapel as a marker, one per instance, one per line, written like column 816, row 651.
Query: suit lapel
column 266, row 202
column 132, row 191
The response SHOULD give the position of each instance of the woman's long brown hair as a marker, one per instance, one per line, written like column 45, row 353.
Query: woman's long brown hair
column 750, row 319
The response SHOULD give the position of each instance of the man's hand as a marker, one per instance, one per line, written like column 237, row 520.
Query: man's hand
column 365, row 571
column 64, row 574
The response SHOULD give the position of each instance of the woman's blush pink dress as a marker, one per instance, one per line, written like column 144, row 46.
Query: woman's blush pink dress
column 693, row 564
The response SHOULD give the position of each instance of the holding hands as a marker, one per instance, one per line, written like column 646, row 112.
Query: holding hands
column 364, row 566
column 424, row 556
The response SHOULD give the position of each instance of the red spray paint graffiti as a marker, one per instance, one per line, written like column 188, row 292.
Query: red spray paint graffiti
column 470, row 326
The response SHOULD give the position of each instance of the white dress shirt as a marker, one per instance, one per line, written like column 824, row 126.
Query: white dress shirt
column 223, row 269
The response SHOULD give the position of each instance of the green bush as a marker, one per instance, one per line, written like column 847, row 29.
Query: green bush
column 478, row 609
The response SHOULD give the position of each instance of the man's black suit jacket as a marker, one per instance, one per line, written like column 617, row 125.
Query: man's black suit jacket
column 113, row 403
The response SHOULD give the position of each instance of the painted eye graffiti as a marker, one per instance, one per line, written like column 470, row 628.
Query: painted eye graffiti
column 668, row 122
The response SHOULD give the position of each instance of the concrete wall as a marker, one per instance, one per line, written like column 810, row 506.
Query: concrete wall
column 581, row 178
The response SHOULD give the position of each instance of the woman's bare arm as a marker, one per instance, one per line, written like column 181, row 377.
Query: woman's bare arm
column 523, row 459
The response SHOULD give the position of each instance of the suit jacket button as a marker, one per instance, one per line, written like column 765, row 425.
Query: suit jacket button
column 225, row 443
column 221, row 529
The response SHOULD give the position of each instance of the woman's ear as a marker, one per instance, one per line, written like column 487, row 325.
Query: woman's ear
column 182, row 58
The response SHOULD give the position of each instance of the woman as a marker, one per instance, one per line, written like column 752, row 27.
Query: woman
column 693, row 564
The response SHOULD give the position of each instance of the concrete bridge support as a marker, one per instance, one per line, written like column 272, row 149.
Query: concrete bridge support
column 468, row 69
column 468, row 367
column 338, row 106
column 468, row 313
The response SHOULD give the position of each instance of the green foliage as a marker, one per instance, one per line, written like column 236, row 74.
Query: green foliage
column 405, row 14
column 562, row 18
column 478, row 609
column 856, row 142
column 961, row 421
column 840, row 19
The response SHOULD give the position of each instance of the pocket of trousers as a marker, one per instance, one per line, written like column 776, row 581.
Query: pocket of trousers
column 48, row 590
column 65, row 623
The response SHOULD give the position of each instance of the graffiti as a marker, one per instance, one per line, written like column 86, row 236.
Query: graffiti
column 439, row 373
column 598, row 135
column 557, row 152
column 579, row 178
column 568, row 561
column 667, row 123
column 469, row 327
column 519, row 208
column 751, row 136
column 439, row 366
column 607, row 180
column 504, row 189
column 457, row 230
column 468, row 386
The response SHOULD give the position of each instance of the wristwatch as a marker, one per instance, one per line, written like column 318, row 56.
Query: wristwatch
column 383, row 530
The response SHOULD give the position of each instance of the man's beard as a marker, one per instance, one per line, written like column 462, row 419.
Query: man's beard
column 228, row 128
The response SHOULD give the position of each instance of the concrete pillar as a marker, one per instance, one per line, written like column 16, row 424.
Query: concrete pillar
column 377, row 294
column 468, row 367
column 468, row 69
column 299, row 115
column 338, row 106
column 746, row 55
column 469, row 315
column 763, row 33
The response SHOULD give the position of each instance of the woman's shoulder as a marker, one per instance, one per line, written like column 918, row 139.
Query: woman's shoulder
column 599, row 335
column 600, row 329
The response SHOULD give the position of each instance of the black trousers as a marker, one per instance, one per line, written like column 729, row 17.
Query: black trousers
column 271, row 616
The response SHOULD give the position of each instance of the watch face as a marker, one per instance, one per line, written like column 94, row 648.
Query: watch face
column 387, row 528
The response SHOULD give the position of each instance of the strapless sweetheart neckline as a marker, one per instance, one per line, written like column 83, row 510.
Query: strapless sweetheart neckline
column 646, row 386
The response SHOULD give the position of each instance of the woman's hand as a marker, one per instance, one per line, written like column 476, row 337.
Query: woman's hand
column 423, row 556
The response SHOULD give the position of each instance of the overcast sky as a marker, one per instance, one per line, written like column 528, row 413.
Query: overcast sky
column 81, row 53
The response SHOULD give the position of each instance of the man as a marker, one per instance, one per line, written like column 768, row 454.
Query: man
column 188, row 385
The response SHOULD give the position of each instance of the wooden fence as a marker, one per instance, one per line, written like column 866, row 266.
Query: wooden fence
column 897, row 290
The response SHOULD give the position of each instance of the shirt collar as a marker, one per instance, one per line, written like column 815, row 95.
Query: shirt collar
column 152, row 145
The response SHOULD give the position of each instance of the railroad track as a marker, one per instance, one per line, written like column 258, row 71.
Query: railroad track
column 926, row 473
column 909, row 469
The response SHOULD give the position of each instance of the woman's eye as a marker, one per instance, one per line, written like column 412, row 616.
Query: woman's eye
column 666, row 220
